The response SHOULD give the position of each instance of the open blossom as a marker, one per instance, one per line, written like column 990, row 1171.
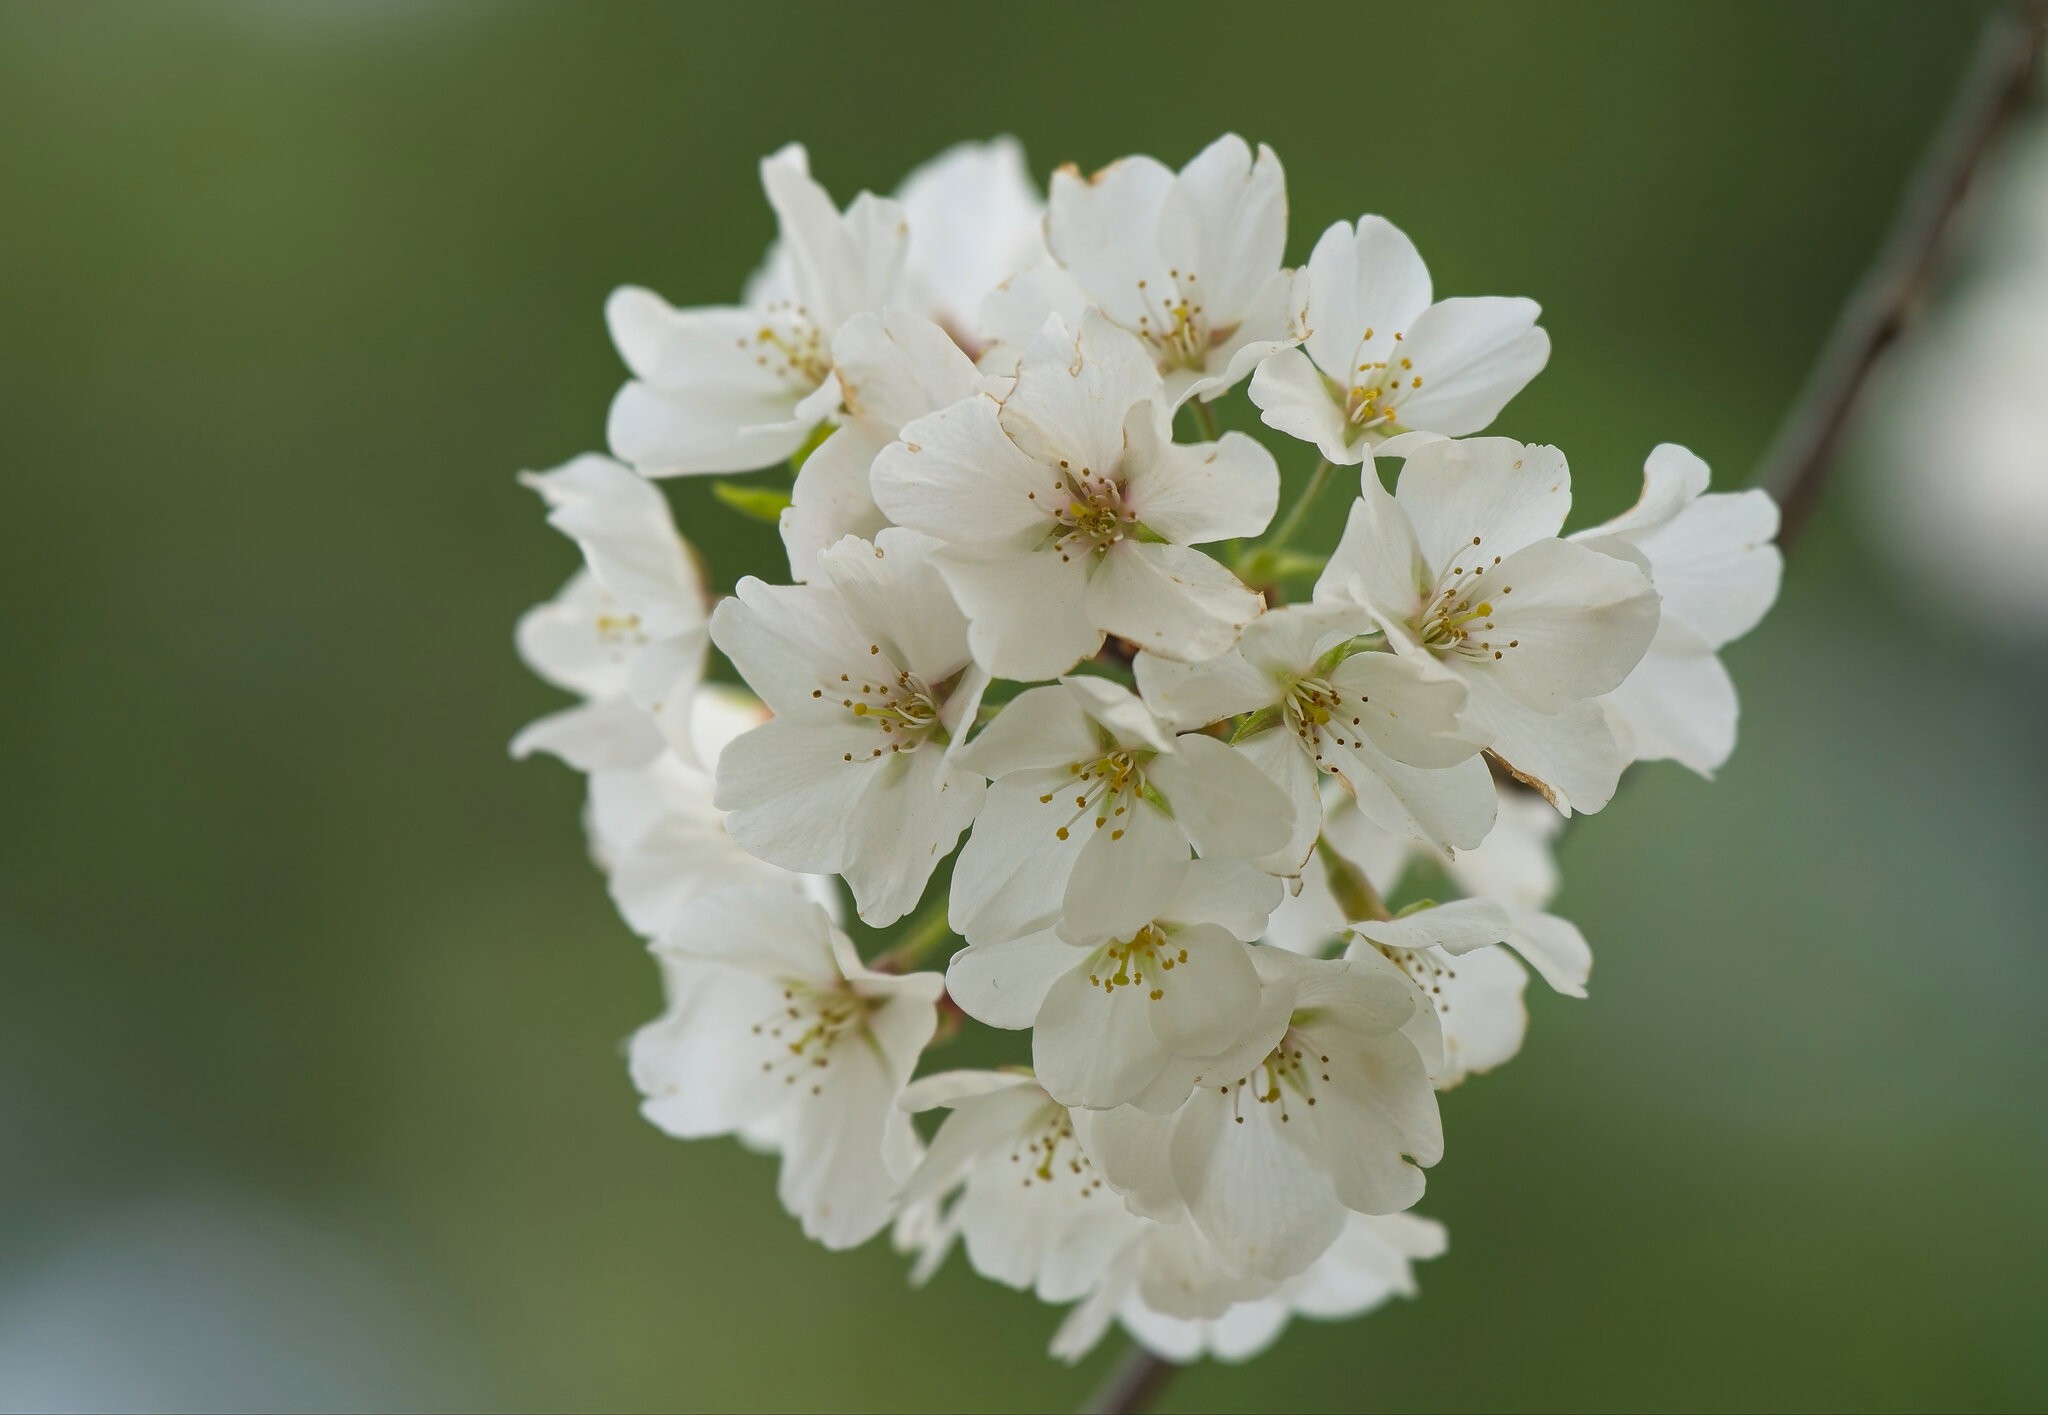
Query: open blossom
column 892, row 367
column 734, row 387
column 1370, row 1262
column 1087, row 786
column 869, row 678
column 628, row 632
column 1462, row 566
column 1149, row 969
column 1388, row 727
column 1015, row 1185
column 975, row 221
column 1333, row 1114
column 1711, row 558
column 1476, row 993
column 1067, row 510
column 772, row 1018
column 1381, row 360
column 1187, row 264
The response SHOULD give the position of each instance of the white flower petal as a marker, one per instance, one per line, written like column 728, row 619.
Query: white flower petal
column 1074, row 390
column 1169, row 599
column 605, row 735
column 1004, row 984
column 1040, row 727
column 1554, row 947
column 1469, row 358
column 1679, row 702
column 1012, row 873
column 831, row 498
column 1457, row 927
column 1208, row 492
column 1231, row 894
column 1292, row 398
column 1366, row 283
column 955, row 475
column 1028, row 616
column 1377, row 563
column 1129, row 721
column 1572, row 757
column 1493, row 488
column 1104, row 230
column 1226, row 806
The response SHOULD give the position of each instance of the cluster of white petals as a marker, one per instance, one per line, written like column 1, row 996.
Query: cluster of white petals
column 1049, row 692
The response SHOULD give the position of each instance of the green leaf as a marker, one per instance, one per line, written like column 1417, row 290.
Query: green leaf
column 761, row 503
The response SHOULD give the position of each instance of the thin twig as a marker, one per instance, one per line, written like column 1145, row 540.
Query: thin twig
column 1995, row 88
column 1132, row 1385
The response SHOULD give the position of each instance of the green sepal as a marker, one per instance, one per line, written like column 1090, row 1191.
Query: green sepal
column 759, row 503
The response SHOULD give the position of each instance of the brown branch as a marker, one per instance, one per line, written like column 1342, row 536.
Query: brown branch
column 1132, row 1385
column 1995, row 88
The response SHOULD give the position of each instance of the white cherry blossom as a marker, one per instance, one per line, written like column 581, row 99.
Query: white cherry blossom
column 1333, row 1112
column 1477, row 993
column 892, row 367
column 1388, row 727
column 1150, row 969
column 868, row 675
column 1068, row 512
column 1024, row 1195
column 1187, row 264
column 1088, row 786
column 1371, row 1262
column 628, row 632
column 734, row 387
column 975, row 221
column 1711, row 558
column 1462, row 566
column 1382, row 360
column 774, row 1025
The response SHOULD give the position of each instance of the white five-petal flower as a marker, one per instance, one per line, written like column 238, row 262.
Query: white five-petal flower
column 731, row 388
column 1329, row 1111
column 1032, row 1209
column 628, row 632
column 1089, row 786
column 774, row 1023
column 1476, row 992
column 1462, row 566
column 1711, row 558
column 1068, row 511
column 1152, row 971
column 1381, row 360
column 1187, row 264
column 868, row 675
column 1388, row 727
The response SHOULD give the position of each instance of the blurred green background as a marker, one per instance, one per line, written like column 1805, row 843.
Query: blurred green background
column 311, row 1012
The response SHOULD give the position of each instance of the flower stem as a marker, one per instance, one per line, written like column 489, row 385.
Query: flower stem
column 1205, row 419
column 1133, row 1384
column 1298, row 512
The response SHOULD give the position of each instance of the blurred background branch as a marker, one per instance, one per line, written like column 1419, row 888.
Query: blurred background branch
column 1995, row 90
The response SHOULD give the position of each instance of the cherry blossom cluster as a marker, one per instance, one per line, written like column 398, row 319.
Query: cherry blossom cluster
column 1257, row 842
